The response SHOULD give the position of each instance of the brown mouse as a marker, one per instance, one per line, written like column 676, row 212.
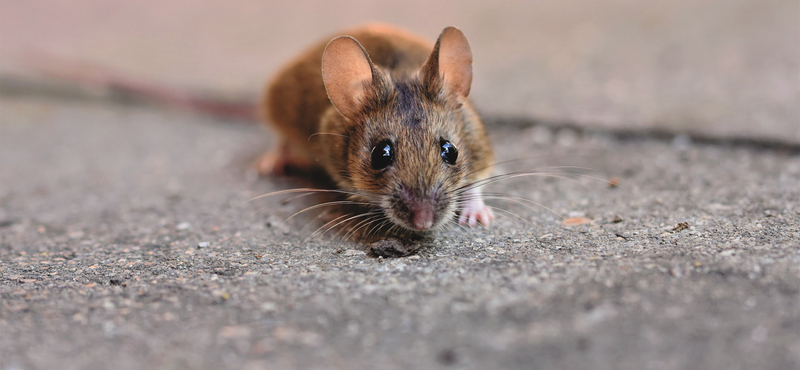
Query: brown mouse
column 387, row 117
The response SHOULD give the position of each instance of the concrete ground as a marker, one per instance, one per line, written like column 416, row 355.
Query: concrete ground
column 127, row 241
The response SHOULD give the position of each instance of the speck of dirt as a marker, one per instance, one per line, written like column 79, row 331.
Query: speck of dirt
column 447, row 357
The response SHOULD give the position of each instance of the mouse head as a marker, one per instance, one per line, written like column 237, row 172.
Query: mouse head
column 406, row 147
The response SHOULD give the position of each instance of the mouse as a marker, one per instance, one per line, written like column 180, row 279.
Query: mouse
column 386, row 115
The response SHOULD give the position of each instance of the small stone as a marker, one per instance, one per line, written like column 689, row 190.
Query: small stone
column 203, row 245
column 623, row 236
column 759, row 334
column 447, row 357
column 680, row 226
column 183, row 226
column 234, row 331
column 573, row 221
column 108, row 326
column 17, row 307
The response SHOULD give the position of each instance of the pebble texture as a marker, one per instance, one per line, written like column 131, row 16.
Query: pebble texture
column 127, row 241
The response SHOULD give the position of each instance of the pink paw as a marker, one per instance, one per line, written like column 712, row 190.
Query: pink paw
column 475, row 211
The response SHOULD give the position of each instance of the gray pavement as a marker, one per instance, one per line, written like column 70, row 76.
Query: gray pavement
column 127, row 242
column 127, row 239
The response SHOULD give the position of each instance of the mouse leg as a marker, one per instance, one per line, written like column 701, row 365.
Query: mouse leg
column 475, row 210
column 279, row 161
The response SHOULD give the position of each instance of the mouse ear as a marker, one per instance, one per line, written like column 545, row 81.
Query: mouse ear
column 347, row 72
column 450, row 63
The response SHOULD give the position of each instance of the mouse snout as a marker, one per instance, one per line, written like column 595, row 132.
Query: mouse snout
column 418, row 211
column 422, row 215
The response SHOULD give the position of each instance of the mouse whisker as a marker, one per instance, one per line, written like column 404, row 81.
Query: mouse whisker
column 505, row 216
column 456, row 224
column 495, row 164
column 394, row 228
column 564, row 170
column 326, row 224
column 328, row 204
column 544, row 172
column 381, row 226
column 525, row 202
column 366, row 214
column 453, row 225
column 361, row 224
column 515, row 215
column 308, row 191
column 321, row 215
column 352, row 230
column 326, row 133
column 305, row 194
column 376, row 225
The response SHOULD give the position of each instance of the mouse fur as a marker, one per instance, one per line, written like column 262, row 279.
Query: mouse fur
column 376, row 85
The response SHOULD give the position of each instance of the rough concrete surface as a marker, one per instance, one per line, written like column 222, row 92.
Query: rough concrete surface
column 127, row 241
column 722, row 68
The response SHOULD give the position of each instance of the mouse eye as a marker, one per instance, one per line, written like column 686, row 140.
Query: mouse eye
column 382, row 155
column 449, row 152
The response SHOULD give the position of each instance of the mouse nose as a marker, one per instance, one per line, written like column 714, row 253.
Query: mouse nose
column 422, row 215
column 418, row 210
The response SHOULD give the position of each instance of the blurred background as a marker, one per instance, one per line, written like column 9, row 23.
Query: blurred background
column 711, row 68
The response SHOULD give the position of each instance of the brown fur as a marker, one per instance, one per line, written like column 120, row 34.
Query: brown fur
column 407, row 94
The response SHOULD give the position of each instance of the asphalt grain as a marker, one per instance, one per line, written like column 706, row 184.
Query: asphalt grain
column 127, row 241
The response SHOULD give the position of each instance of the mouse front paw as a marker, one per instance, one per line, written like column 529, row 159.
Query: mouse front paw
column 475, row 211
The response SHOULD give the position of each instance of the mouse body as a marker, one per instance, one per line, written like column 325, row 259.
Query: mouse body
column 386, row 115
